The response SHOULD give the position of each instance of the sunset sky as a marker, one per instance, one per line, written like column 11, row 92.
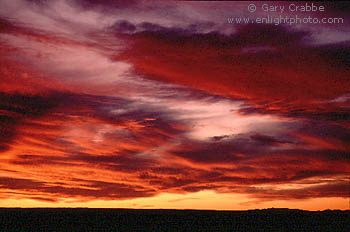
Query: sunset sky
column 165, row 104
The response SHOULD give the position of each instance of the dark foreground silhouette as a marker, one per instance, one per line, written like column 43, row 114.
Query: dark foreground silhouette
column 81, row 219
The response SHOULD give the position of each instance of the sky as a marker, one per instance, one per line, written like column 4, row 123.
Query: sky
column 166, row 104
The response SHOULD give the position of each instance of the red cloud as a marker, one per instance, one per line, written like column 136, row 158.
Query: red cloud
column 289, row 75
column 60, row 142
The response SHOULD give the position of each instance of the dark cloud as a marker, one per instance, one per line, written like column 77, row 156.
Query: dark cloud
column 7, row 133
column 106, row 4
column 268, row 140
column 27, row 105
column 173, row 34
column 231, row 149
column 39, row 160
column 19, row 183
column 197, row 34
column 211, row 153
column 325, row 113
column 266, row 34
column 123, row 26
column 5, row 25
column 339, row 8
column 324, row 130
column 337, row 54
column 15, row 109
column 128, row 162
column 97, row 189
column 336, row 189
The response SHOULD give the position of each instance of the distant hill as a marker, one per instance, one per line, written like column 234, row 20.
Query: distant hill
column 84, row 219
